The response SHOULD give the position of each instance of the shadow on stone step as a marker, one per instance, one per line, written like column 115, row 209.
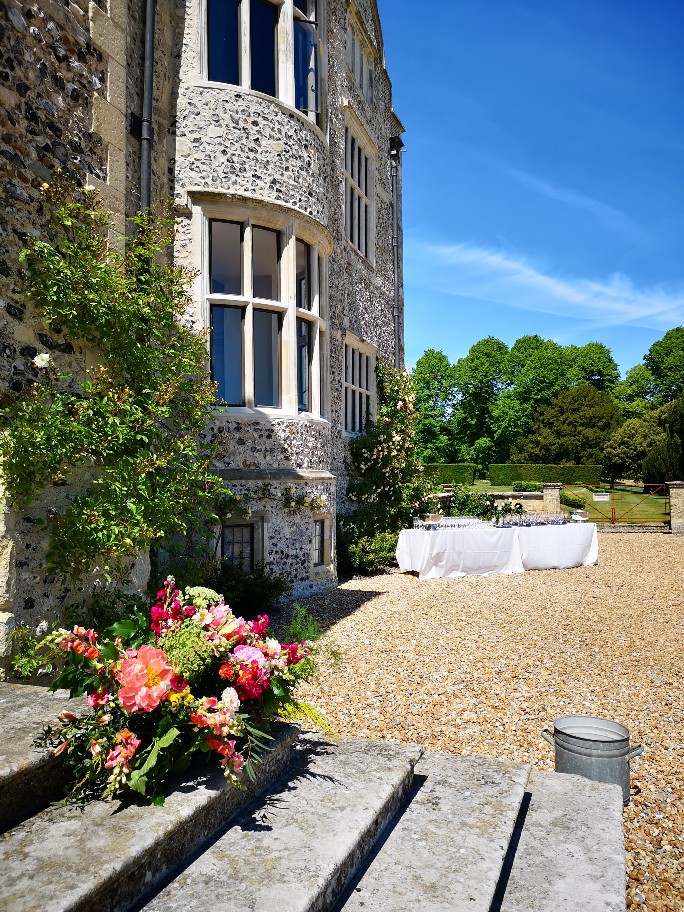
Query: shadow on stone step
column 417, row 784
column 255, row 815
column 509, row 857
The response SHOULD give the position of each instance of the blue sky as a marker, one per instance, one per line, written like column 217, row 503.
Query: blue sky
column 543, row 172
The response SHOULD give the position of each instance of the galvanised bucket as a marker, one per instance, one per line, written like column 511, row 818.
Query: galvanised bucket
column 595, row 748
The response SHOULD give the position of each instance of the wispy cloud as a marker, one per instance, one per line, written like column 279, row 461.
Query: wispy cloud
column 608, row 215
column 497, row 277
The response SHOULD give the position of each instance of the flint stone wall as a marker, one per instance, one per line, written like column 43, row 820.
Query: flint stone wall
column 53, row 75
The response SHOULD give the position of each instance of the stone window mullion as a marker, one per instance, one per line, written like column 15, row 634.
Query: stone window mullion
column 289, row 340
column 245, row 61
column 249, row 314
column 286, row 84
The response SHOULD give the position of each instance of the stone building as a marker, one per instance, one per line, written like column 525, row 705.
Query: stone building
column 270, row 123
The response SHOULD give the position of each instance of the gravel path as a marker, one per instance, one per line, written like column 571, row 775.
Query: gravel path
column 480, row 665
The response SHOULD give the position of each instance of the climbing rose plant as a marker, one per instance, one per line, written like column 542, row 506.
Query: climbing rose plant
column 386, row 480
column 189, row 677
column 133, row 423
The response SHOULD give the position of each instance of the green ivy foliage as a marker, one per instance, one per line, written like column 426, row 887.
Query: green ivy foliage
column 134, row 422
column 386, row 479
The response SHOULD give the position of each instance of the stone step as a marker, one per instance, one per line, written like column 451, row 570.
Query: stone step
column 570, row 853
column 295, row 850
column 29, row 778
column 445, row 852
column 102, row 857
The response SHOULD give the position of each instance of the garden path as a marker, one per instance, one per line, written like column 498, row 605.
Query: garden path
column 480, row 665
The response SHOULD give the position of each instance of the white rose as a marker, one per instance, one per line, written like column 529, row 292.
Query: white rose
column 230, row 699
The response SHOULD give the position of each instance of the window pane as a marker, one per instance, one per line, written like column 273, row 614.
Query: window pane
column 306, row 66
column 303, row 280
column 265, row 260
column 318, row 539
column 362, row 226
column 225, row 257
column 226, row 353
column 224, row 41
column 262, row 30
column 303, row 365
column 266, row 330
column 353, row 159
column 237, row 546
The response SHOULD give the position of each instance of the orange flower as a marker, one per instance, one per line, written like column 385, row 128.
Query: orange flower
column 145, row 680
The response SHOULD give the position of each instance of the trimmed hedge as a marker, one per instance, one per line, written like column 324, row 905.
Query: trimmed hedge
column 507, row 473
column 455, row 473
column 529, row 486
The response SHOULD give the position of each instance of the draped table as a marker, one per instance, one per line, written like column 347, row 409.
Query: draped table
column 483, row 550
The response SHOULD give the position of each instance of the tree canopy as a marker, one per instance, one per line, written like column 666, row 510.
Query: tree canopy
column 665, row 361
column 487, row 405
column 571, row 429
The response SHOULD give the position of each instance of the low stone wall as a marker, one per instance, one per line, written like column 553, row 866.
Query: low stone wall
column 676, row 489
column 547, row 500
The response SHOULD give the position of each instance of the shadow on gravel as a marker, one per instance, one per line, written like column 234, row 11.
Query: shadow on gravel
column 327, row 609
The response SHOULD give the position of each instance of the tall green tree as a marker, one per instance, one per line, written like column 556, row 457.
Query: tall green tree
column 480, row 378
column 636, row 392
column 665, row 360
column 665, row 462
column 593, row 363
column 630, row 444
column 572, row 429
column 434, row 380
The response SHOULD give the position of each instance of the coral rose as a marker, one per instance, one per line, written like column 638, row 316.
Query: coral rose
column 145, row 679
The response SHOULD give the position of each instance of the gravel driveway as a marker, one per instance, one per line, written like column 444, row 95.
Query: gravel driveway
column 480, row 665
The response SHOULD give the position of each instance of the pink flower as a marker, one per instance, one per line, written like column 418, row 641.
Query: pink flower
column 145, row 680
column 98, row 698
column 260, row 626
column 119, row 756
column 247, row 654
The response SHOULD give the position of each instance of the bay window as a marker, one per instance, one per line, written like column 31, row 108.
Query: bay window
column 266, row 312
column 269, row 46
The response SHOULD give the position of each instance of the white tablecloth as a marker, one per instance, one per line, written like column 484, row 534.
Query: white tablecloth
column 558, row 547
column 483, row 551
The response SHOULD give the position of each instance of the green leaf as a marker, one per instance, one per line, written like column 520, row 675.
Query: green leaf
column 109, row 650
column 124, row 629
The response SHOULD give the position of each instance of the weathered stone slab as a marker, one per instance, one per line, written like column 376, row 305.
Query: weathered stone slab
column 296, row 850
column 29, row 778
column 445, row 852
column 104, row 856
column 571, row 852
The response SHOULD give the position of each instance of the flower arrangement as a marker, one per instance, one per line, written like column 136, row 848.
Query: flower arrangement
column 189, row 677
